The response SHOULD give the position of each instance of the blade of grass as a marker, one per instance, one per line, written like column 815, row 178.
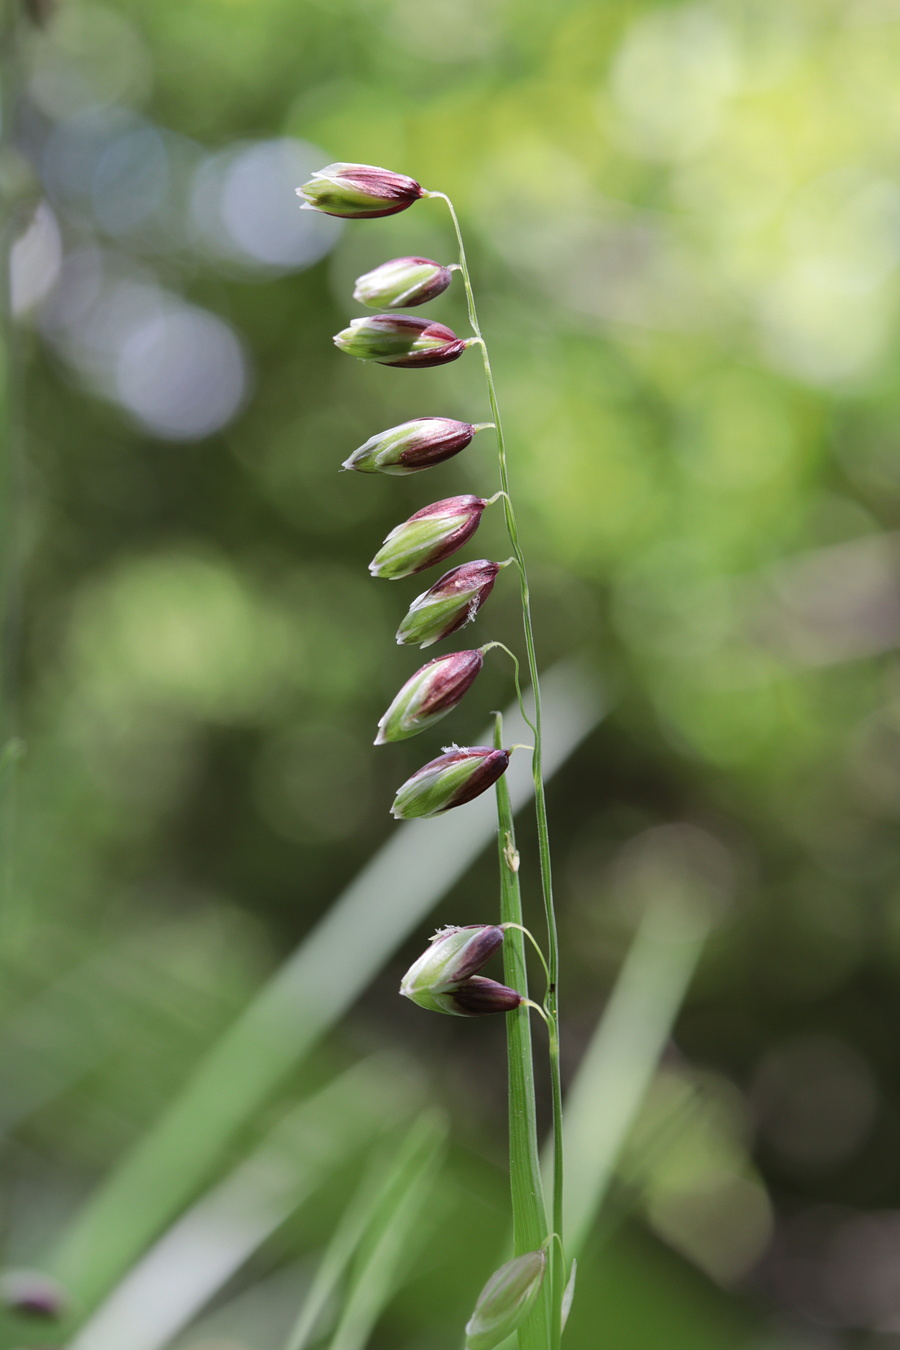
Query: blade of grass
column 629, row 1184
column 620, row 1060
column 303, row 999
column 334, row 1263
column 396, row 1231
column 213, row 1239
column 57, row 1036
column 254, row 1312
column 378, row 1191
column 69, row 1026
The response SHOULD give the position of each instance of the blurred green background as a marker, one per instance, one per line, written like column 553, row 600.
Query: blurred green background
column 683, row 222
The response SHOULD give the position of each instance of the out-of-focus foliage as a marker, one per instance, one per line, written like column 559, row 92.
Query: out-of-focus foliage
column 684, row 225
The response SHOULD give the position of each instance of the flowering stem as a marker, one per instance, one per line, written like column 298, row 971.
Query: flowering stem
column 503, row 647
column 557, row 1263
column 526, row 1187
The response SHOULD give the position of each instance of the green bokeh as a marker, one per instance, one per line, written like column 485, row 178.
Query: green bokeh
column 683, row 224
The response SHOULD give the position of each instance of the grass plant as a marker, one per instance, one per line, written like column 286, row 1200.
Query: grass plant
column 142, row 1259
column 362, row 191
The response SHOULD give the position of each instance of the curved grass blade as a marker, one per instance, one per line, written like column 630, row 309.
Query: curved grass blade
column 396, row 1230
column 620, row 1061
column 379, row 1191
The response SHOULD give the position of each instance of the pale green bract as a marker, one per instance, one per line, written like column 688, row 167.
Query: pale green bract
column 504, row 1301
column 403, row 718
column 326, row 194
column 382, row 453
column 429, row 791
column 370, row 341
column 429, row 619
column 402, row 551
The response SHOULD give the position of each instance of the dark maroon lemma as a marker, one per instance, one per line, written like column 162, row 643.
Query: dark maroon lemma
column 440, row 441
column 493, row 765
column 451, row 347
column 429, row 694
column 479, row 997
column 453, row 677
column 482, row 573
column 478, row 951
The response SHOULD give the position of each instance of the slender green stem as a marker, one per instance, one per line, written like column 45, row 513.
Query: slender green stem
column 535, row 944
column 557, row 1262
column 536, row 1007
column 528, row 1209
column 515, row 660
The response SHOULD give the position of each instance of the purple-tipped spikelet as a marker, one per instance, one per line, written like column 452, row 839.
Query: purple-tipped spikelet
column 412, row 446
column 457, row 776
column 428, row 537
column 453, row 601
column 444, row 978
column 358, row 191
column 398, row 340
column 402, row 283
column 453, row 955
column 30, row 1293
column 429, row 695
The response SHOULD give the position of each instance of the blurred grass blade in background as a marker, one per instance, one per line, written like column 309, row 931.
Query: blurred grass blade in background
column 365, row 1211
column 68, row 1027
column 166, row 1289
column 694, row 207
column 396, row 1233
column 345, row 950
column 622, row 1057
column 10, row 754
